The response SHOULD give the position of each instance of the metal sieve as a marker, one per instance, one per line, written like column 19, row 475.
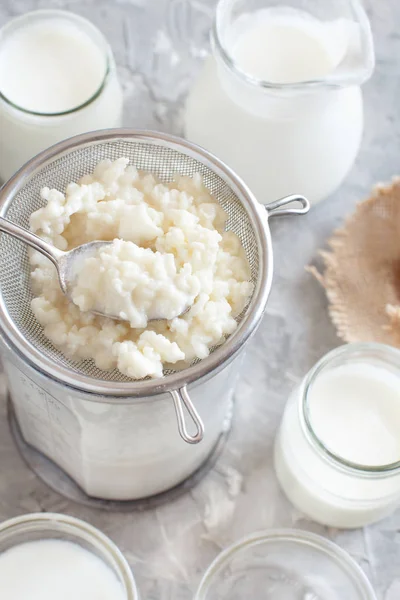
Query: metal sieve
column 164, row 156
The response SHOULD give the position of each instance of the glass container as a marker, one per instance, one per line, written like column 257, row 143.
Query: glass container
column 327, row 487
column 45, row 526
column 117, row 438
column 284, row 565
column 25, row 133
column 111, row 447
column 301, row 135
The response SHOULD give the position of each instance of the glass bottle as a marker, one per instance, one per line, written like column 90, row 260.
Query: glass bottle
column 301, row 131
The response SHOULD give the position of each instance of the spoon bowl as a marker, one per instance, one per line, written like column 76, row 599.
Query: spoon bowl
column 66, row 263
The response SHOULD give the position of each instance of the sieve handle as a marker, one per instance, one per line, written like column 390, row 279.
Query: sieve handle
column 274, row 208
column 31, row 239
column 181, row 398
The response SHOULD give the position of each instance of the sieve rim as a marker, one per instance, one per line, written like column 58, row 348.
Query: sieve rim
column 258, row 217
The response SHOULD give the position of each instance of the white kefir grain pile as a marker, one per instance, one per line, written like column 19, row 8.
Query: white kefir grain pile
column 135, row 284
column 183, row 227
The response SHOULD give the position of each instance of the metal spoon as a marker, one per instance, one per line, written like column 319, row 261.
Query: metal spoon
column 64, row 262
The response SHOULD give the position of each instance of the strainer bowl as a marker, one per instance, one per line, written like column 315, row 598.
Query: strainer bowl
column 163, row 155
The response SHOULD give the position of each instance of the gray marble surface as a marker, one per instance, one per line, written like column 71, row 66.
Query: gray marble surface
column 159, row 46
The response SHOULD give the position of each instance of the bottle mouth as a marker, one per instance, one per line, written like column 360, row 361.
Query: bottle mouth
column 344, row 74
column 86, row 27
column 356, row 352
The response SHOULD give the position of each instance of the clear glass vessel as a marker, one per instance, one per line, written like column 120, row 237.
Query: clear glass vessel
column 284, row 565
column 25, row 133
column 280, row 137
column 116, row 438
column 113, row 448
column 44, row 526
column 327, row 487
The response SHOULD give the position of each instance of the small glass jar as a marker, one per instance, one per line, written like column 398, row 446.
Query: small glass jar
column 280, row 137
column 284, row 564
column 326, row 487
column 45, row 526
column 25, row 133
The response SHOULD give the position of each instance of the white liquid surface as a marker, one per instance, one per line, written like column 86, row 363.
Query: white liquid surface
column 285, row 49
column 56, row 570
column 355, row 412
column 50, row 67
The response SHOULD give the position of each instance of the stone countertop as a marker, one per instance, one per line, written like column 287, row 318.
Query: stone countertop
column 159, row 46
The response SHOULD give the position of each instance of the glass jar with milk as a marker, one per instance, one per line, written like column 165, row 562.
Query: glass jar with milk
column 279, row 99
column 57, row 79
column 50, row 555
column 337, row 453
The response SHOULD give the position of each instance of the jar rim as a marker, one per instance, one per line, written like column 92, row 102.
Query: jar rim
column 335, row 552
column 331, row 81
column 90, row 28
column 377, row 471
column 76, row 527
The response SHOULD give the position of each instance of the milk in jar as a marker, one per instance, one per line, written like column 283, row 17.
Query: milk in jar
column 48, row 556
column 57, row 79
column 279, row 99
column 49, row 569
column 337, row 453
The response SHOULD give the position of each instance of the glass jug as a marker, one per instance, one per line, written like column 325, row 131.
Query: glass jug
column 279, row 99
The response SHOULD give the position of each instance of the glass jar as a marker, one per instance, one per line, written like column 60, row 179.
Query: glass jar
column 114, row 448
column 25, row 133
column 324, row 486
column 284, row 564
column 117, row 438
column 281, row 137
column 46, row 526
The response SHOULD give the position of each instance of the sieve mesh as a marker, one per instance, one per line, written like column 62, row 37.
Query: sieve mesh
column 58, row 172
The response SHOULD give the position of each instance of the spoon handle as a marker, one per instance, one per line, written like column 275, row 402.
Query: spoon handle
column 54, row 254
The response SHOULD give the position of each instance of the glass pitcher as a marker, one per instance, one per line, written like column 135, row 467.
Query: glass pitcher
column 279, row 99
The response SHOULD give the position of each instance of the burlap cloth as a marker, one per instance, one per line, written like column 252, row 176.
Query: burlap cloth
column 362, row 270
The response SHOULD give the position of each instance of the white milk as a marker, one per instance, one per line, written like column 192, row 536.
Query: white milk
column 287, row 48
column 50, row 569
column 53, row 62
column 108, row 448
column 354, row 412
column 50, row 66
column 303, row 139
